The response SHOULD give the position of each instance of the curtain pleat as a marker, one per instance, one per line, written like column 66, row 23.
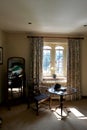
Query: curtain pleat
column 36, row 59
column 73, row 66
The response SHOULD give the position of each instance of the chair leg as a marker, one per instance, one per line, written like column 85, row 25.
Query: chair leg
column 0, row 122
column 28, row 106
column 28, row 103
column 37, row 109
column 49, row 103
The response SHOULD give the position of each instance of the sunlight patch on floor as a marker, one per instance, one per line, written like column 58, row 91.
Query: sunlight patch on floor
column 77, row 113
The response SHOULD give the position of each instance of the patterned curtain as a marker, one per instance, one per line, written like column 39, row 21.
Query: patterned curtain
column 36, row 59
column 73, row 66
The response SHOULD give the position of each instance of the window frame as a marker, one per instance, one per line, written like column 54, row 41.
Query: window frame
column 50, row 77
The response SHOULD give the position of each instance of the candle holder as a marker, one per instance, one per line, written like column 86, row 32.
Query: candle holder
column 54, row 76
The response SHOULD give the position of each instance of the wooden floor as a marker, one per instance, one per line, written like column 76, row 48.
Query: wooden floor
column 21, row 118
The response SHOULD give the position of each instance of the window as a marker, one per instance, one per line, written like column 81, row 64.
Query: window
column 59, row 58
column 54, row 60
column 46, row 60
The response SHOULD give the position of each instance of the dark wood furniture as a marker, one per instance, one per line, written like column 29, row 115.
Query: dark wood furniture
column 36, row 97
column 0, row 122
column 15, row 79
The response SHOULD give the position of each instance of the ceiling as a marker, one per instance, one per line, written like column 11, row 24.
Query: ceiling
column 46, row 16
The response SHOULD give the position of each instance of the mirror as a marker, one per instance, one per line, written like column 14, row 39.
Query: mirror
column 16, row 77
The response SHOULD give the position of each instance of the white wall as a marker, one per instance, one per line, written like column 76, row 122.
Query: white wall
column 84, row 66
column 18, row 45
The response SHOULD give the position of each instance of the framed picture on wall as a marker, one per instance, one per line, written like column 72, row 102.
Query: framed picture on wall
column 1, row 55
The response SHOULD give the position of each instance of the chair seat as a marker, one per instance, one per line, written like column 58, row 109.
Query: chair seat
column 41, row 97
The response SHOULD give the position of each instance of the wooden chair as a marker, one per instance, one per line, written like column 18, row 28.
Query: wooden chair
column 36, row 97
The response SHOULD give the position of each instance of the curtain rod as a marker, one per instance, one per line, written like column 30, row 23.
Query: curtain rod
column 57, row 37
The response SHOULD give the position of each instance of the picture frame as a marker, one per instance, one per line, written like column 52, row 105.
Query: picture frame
column 1, row 55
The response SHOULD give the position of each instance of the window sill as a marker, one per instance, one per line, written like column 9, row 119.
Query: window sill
column 51, row 79
column 56, row 81
column 50, row 82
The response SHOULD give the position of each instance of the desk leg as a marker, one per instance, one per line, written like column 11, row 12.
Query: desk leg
column 61, row 104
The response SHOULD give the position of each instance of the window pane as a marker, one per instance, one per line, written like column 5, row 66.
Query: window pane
column 59, row 62
column 46, row 62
